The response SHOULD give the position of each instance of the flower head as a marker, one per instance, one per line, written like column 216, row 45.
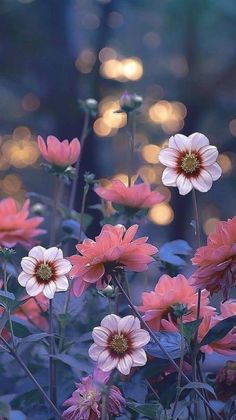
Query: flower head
column 15, row 225
column 118, row 344
column 217, row 260
column 32, row 311
column 86, row 400
column 162, row 305
column 60, row 154
column 114, row 249
column 225, row 346
column 137, row 196
column 44, row 271
column 191, row 163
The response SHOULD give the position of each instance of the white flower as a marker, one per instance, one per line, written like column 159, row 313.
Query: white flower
column 118, row 344
column 191, row 163
column 44, row 271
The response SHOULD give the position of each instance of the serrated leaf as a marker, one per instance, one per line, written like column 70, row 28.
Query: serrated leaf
column 219, row 330
column 197, row 385
column 151, row 411
column 189, row 329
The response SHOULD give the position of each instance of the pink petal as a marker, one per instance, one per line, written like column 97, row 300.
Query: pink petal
column 139, row 357
column 169, row 177
column 79, row 286
column 74, row 150
column 49, row 290
column 168, row 157
column 203, row 182
column 94, row 273
column 37, row 252
column 111, row 322
column 180, row 142
column 28, row 264
column 42, row 147
column 106, row 362
column 198, row 140
column 23, row 278
column 62, row 284
column 183, row 184
column 95, row 351
column 209, row 155
column 62, row 267
column 128, row 323
column 33, row 288
column 125, row 364
column 140, row 338
column 100, row 336
column 214, row 170
column 53, row 254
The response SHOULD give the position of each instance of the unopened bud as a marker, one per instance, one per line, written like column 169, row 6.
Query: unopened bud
column 130, row 102
column 38, row 208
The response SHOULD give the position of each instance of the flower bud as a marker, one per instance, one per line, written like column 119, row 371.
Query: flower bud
column 38, row 208
column 108, row 291
column 130, row 102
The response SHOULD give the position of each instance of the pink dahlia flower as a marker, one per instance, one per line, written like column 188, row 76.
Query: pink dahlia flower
column 86, row 400
column 32, row 311
column 228, row 308
column 59, row 153
column 16, row 227
column 217, row 260
column 137, row 196
column 114, row 249
column 170, row 296
column 191, row 163
column 118, row 344
column 225, row 346
column 44, row 271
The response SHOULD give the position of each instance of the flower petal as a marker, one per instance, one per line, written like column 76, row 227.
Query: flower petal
column 53, row 254
column 62, row 266
column 169, row 177
column 183, row 184
column 23, row 278
column 214, row 170
column 50, row 289
column 33, row 288
column 140, row 338
column 198, row 140
column 128, row 323
column 100, row 336
column 180, row 142
column 203, row 182
column 139, row 357
column 125, row 364
column 62, row 284
column 106, row 362
column 28, row 265
column 111, row 322
column 95, row 351
column 37, row 252
column 168, row 157
column 209, row 155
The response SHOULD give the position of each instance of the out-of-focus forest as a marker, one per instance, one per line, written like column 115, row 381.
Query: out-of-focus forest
column 179, row 55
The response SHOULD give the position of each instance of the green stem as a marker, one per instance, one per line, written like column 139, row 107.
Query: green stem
column 8, row 310
column 57, row 195
column 131, row 124
column 82, row 211
column 155, row 339
column 52, row 367
column 182, row 345
column 29, row 374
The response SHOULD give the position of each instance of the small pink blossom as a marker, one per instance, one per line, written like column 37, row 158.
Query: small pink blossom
column 114, row 249
column 59, row 153
column 86, row 400
column 136, row 196
column 225, row 346
column 118, row 343
column 191, row 163
column 44, row 271
column 15, row 225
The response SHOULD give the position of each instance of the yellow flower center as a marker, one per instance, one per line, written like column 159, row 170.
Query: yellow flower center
column 91, row 395
column 189, row 163
column 44, row 272
column 119, row 344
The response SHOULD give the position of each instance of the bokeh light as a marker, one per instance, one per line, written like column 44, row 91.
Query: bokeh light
column 210, row 224
column 150, row 153
column 161, row 214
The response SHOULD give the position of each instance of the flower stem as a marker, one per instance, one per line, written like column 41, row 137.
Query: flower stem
column 8, row 310
column 29, row 374
column 82, row 141
column 52, row 367
column 57, row 196
column 131, row 124
column 182, row 343
column 155, row 339
column 85, row 193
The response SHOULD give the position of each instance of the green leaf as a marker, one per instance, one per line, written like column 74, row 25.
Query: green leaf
column 33, row 338
column 151, row 411
column 189, row 329
column 4, row 409
column 6, row 299
column 219, row 330
column 197, row 385
column 20, row 327
column 3, row 320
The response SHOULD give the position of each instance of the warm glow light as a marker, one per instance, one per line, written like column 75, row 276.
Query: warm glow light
column 86, row 60
column 161, row 214
column 11, row 184
column 150, row 153
column 210, row 224
column 101, row 128
column 225, row 163
column 170, row 115
column 124, row 178
column 30, row 102
column 111, row 69
column 132, row 68
column 148, row 174
column 107, row 53
column 122, row 70
column 232, row 127
column 20, row 153
column 21, row 133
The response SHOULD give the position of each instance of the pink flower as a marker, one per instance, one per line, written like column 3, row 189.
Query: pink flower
column 32, row 311
column 44, row 272
column 228, row 308
column 191, row 163
column 137, row 196
column 118, row 344
column 114, row 249
column 225, row 346
column 59, row 153
column 15, row 226
column 169, row 296
column 86, row 400
column 217, row 260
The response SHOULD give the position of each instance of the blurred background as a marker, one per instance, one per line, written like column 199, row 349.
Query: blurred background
column 178, row 55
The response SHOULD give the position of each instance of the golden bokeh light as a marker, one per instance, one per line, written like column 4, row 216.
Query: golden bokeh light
column 161, row 214
column 225, row 163
column 107, row 53
column 21, row 133
column 11, row 184
column 86, row 60
column 132, row 68
column 170, row 115
column 150, row 153
column 210, row 224
column 20, row 153
column 122, row 70
column 148, row 174
column 111, row 69
column 101, row 128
